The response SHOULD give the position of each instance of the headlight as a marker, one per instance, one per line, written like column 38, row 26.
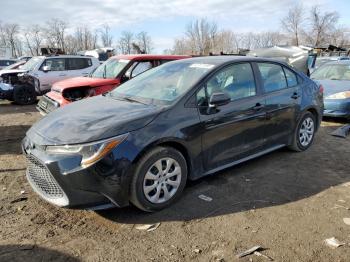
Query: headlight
column 91, row 152
column 341, row 95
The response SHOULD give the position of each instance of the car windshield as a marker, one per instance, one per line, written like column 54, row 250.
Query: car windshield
column 32, row 63
column 163, row 84
column 110, row 69
column 332, row 72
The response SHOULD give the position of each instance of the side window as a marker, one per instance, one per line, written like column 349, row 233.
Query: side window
column 291, row 77
column 273, row 77
column 140, row 68
column 164, row 61
column 78, row 63
column 55, row 64
column 237, row 81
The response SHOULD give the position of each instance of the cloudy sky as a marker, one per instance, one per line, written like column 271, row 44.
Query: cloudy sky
column 164, row 20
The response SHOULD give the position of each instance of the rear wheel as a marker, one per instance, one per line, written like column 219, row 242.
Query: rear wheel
column 304, row 133
column 159, row 179
column 24, row 95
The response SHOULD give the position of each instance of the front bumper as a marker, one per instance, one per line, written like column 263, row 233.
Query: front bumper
column 47, row 105
column 6, row 91
column 337, row 108
column 102, row 185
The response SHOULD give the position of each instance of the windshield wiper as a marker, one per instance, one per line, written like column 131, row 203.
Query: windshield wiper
column 104, row 72
column 129, row 99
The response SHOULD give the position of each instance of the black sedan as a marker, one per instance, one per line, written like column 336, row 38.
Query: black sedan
column 186, row 119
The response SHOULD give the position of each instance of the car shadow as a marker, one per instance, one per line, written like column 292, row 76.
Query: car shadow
column 11, row 137
column 14, row 253
column 277, row 178
column 13, row 108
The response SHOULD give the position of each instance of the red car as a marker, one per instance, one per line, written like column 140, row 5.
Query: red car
column 115, row 71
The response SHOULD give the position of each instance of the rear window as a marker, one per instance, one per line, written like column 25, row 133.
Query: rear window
column 78, row 63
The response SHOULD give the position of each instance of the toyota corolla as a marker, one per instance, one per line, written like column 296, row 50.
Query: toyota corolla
column 141, row 142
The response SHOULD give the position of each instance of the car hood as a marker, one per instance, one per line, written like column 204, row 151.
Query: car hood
column 83, row 81
column 334, row 86
column 90, row 120
column 12, row 71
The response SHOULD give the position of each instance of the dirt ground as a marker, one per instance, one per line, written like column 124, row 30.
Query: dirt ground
column 286, row 202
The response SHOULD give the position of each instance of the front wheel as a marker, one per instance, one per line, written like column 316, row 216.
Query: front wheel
column 24, row 95
column 304, row 133
column 159, row 179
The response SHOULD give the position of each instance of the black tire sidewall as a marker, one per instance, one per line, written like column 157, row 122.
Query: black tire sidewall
column 137, row 195
column 31, row 94
column 299, row 145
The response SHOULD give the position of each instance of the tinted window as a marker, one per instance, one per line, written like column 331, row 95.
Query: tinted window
column 140, row 68
column 291, row 77
column 272, row 76
column 55, row 64
column 78, row 63
column 237, row 81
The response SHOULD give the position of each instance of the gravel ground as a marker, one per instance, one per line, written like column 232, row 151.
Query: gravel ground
column 286, row 202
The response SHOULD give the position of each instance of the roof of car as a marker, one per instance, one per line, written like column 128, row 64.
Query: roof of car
column 150, row 56
column 65, row 56
column 217, row 60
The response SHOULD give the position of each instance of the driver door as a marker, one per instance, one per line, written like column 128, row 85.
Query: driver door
column 235, row 130
column 57, row 71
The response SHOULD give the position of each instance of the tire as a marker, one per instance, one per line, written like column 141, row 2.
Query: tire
column 302, row 142
column 24, row 95
column 148, row 192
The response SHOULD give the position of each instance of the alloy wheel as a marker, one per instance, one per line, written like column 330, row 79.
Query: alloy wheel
column 162, row 180
column 306, row 131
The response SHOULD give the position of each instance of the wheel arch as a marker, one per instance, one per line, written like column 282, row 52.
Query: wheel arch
column 171, row 142
column 316, row 114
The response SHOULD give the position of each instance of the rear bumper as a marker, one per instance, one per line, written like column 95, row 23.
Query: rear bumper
column 47, row 105
column 337, row 108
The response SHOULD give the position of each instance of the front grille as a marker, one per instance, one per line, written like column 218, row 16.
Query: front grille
column 42, row 181
column 47, row 105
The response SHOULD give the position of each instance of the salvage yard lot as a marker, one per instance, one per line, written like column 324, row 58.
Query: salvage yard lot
column 288, row 203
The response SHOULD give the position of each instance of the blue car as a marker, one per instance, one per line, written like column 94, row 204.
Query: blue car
column 335, row 79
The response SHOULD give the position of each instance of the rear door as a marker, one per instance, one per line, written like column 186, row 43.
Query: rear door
column 235, row 130
column 283, row 96
column 79, row 66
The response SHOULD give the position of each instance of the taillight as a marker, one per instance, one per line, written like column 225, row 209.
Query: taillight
column 321, row 89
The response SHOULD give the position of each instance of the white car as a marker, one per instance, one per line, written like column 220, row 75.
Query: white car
column 38, row 75
column 4, row 62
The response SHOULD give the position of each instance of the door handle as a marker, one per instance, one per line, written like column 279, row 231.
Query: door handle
column 62, row 75
column 258, row 107
column 295, row 95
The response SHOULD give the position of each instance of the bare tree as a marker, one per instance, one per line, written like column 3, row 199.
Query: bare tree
column 144, row 41
column 55, row 33
column 125, row 42
column 34, row 39
column 106, row 36
column 85, row 38
column 322, row 24
column 293, row 22
column 11, row 34
column 201, row 34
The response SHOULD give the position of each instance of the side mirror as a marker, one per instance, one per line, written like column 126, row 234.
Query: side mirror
column 125, row 78
column 46, row 69
column 219, row 99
